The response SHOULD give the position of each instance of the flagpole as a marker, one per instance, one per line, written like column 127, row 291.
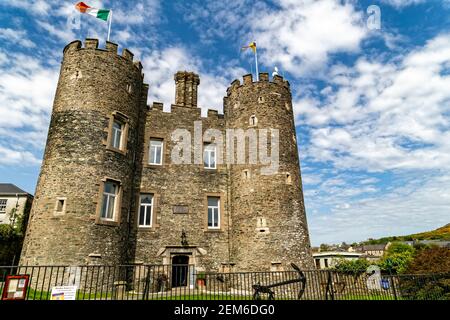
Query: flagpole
column 110, row 20
column 256, row 63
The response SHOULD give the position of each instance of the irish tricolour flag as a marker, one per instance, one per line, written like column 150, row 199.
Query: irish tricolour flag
column 98, row 13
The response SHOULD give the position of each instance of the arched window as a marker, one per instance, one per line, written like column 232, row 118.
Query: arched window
column 253, row 121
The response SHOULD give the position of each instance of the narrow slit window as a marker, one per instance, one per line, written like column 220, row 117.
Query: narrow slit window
column 288, row 178
column 130, row 88
column 60, row 205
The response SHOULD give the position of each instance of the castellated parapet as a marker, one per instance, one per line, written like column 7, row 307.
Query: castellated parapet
column 106, row 146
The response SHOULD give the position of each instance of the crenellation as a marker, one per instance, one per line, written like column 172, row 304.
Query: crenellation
column 157, row 106
column 73, row 46
column 213, row 113
column 91, row 43
column 138, row 65
column 127, row 54
column 264, row 76
column 112, row 47
column 277, row 79
column 235, row 83
column 248, row 79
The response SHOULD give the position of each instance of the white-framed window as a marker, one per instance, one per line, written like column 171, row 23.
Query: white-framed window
column 3, row 205
column 146, row 210
column 156, row 151
column 253, row 121
column 213, row 213
column 109, row 201
column 117, row 133
column 209, row 156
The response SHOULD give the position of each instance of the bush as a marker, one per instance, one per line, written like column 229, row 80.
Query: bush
column 7, row 232
column 11, row 240
column 396, row 262
column 428, row 287
column 398, row 247
column 434, row 262
column 430, row 260
column 352, row 266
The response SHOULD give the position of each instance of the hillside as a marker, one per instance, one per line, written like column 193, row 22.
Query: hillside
column 442, row 233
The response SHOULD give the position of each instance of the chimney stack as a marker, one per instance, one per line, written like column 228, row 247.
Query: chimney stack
column 186, row 84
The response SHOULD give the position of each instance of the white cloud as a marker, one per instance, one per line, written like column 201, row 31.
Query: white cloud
column 59, row 31
column 17, row 157
column 420, row 204
column 136, row 12
column 27, row 89
column 38, row 7
column 301, row 35
column 402, row 3
column 17, row 37
column 161, row 66
column 389, row 117
column 384, row 116
column 297, row 36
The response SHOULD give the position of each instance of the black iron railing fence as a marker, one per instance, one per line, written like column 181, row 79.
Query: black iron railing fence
column 184, row 282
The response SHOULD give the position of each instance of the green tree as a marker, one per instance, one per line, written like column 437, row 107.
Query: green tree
column 352, row 266
column 396, row 262
column 398, row 247
column 6, row 232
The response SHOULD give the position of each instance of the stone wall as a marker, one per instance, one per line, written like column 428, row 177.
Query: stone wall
column 186, row 185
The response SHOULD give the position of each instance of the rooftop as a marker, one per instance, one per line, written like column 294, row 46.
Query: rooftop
column 371, row 247
column 337, row 253
column 10, row 189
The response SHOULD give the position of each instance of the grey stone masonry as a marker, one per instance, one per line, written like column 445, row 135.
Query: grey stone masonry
column 105, row 194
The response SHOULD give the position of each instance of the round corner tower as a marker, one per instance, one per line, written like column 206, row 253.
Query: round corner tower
column 268, row 213
column 80, row 210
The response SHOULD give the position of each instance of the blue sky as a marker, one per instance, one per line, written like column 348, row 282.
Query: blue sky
column 372, row 107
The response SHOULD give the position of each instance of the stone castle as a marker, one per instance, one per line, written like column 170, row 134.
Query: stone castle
column 109, row 193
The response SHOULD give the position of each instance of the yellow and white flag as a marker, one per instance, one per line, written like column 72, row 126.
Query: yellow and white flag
column 252, row 46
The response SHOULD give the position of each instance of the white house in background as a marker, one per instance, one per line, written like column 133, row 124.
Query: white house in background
column 372, row 252
column 13, row 199
column 328, row 259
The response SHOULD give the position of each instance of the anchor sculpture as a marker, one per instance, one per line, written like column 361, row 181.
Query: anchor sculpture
column 259, row 289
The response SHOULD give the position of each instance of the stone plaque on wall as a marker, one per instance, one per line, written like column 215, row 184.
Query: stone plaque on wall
column 181, row 209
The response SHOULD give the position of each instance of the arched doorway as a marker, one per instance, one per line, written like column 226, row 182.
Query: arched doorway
column 180, row 265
